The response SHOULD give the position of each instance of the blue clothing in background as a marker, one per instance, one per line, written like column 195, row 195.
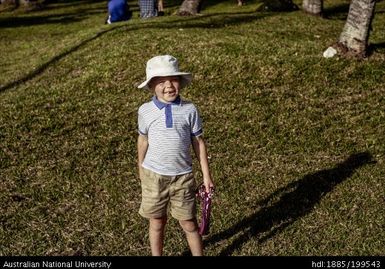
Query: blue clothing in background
column 148, row 8
column 118, row 10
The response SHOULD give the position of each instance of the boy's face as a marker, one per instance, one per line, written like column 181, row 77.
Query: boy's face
column 166, row 88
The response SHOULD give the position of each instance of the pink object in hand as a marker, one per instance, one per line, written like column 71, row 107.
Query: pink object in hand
column 206, row 209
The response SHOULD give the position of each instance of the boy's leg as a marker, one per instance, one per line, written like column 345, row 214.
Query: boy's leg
column 194, row 239
column 183, row 208
column 156, row 234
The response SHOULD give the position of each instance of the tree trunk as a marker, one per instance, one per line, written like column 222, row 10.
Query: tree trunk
column 313, row 7
column 190, row 8
column 354, row 38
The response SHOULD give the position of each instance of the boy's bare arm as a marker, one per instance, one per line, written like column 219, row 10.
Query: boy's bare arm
column 200, row 150
column 142, row 149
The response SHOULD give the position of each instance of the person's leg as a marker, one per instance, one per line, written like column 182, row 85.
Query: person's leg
column 156, row 234
column 194, row 239
column 160, row 5
column 155, row 198
column 183, row 208
column 160, row 8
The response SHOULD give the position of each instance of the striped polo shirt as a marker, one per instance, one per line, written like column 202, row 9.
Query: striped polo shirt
column 169, row 128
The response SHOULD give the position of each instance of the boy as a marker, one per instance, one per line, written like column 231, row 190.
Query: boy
column 168, row 126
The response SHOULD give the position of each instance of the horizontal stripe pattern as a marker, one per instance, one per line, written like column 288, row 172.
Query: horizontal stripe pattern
column 168, row 151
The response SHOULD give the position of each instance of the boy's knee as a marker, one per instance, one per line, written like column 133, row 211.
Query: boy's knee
column 158, row 224
column 189, row 226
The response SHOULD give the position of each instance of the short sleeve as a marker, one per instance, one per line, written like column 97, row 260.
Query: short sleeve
column 196, row 123
column 142, row 126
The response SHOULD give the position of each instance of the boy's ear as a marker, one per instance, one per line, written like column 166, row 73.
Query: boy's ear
column 150, row 85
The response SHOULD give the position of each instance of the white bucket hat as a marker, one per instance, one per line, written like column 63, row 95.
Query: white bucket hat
column 164, row 66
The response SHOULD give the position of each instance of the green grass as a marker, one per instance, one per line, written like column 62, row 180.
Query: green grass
column 295, row 140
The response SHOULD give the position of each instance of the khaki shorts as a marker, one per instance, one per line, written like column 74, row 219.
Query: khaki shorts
column 159, row 191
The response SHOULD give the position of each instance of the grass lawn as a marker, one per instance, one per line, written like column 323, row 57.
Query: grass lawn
column 296, row 141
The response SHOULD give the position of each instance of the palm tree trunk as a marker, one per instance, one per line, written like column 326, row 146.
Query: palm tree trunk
column 355, row 34
column 190, row 8
column 313, row 7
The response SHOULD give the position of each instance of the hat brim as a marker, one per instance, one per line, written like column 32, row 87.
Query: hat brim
column 185, row 79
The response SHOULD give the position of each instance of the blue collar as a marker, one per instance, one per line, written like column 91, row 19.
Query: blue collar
column 161, row 105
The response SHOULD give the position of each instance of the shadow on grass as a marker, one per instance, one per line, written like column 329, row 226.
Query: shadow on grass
column 55, row 4
column 72, row 2
column 215, row 21
column 337, row 12
column 211, row 3
column 288, row 204
column 375, row 47
column 62, row 18
column 35, row 20
column 44, row 66
column 220, row 20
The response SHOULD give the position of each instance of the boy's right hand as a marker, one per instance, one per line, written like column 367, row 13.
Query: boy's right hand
column 209, row 184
